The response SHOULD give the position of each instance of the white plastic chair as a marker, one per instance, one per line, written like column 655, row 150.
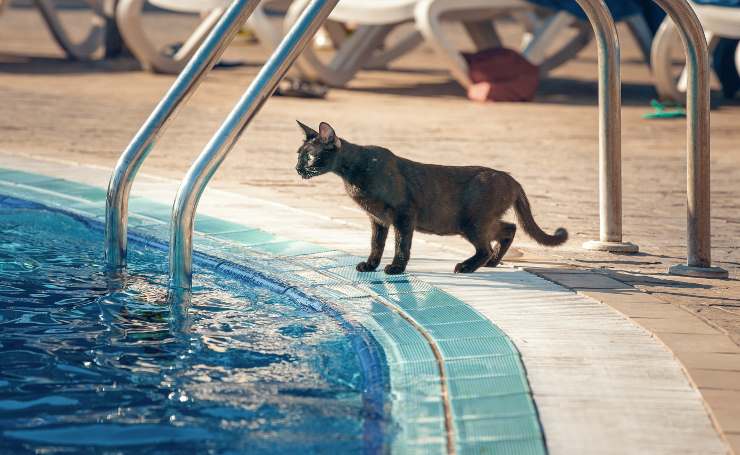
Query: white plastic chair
column 718, row 21
column 376, row 19
column 430, row 13
column 76, row 50
column 129, row 20
column 361, row 49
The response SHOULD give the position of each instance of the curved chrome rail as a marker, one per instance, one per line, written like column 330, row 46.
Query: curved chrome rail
column 610, row 130
column 200, row 173
column 699, row 258
column 698, row 185
column 119, row 188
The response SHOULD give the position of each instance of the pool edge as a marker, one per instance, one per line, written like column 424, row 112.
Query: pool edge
column 153, row 216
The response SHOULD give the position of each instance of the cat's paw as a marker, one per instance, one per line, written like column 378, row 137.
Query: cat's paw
column 493, row 262
column 394, row 269
column 464, row 268
column 366, row 267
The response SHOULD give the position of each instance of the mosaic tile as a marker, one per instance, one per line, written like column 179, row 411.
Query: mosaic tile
column 510, row 447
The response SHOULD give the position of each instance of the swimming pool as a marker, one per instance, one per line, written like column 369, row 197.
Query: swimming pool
column 438, row 376
column 90, row 362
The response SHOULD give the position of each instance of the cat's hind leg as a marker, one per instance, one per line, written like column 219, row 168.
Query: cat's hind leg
column 481, row 240
column 503, row 240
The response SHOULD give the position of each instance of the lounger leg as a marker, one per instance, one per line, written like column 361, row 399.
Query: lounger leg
column 336, row 31
column 268, row 33
column 381, row 59
column 82, row 50
column 483, row 34
column 428, row 13
column 642, row 34
column 583, row 36
column 129, row 21
column 530, row 22
column 196, row 38
column 350, row 58
column 661, row 62
column 544, row 36
column 357, row 49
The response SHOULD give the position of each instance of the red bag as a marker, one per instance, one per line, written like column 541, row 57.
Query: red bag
column 501, row 74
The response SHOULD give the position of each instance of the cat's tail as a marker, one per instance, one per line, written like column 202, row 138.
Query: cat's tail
column 530, row 226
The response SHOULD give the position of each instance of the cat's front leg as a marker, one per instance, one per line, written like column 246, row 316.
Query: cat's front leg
column 377, row 245
column 404, row 227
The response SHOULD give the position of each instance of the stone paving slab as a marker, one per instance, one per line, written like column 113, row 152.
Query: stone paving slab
column 711, row 359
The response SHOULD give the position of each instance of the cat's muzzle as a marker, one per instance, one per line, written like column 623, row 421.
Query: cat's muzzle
column 305, row 173
column 308, row 172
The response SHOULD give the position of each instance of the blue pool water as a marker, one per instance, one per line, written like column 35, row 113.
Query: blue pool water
column 86, row 366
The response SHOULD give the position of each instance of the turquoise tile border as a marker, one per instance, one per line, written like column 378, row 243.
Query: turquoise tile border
column 24, row 178
column 491, row 407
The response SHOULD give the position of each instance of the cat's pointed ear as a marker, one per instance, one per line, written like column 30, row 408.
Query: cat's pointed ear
column 327, row 134
column 310, row 133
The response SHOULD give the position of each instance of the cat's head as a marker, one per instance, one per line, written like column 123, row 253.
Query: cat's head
column 318, row 154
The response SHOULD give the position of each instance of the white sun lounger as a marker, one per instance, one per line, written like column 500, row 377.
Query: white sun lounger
column 429, row 15
column 718, row 21
column 367, row 46
column 376, row 19
column 129, row 20
column 268, row 30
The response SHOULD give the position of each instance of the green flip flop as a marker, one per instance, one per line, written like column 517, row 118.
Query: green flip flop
column 665, row 110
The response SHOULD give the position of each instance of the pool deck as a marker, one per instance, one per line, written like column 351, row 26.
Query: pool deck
column 608, row 341
column 600, row 382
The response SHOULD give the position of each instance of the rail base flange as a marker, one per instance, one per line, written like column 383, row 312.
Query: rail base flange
column 612, row 247
column 698, row 272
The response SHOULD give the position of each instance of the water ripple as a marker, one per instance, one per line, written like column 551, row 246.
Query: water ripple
column 90, row 361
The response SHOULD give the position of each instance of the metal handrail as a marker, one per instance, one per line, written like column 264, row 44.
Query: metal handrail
column 698, row 187
column 200, row 173
column 699, row 261
column 610, row 130
column 119, row 188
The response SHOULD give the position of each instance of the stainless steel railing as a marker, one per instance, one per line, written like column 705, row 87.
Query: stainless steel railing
column 610, row 130
column 698, row 187
column 119, row 188
column 699, row 263
column 609, row 138
column 610, row 196
column 183, row 214
column 200, row 173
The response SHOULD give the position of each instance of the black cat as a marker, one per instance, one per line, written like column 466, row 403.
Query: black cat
column 444, row 200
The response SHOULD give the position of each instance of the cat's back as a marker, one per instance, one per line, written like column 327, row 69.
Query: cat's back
column 405, row 165
column 389, row 166
column 456, row 174
column 378, row 152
